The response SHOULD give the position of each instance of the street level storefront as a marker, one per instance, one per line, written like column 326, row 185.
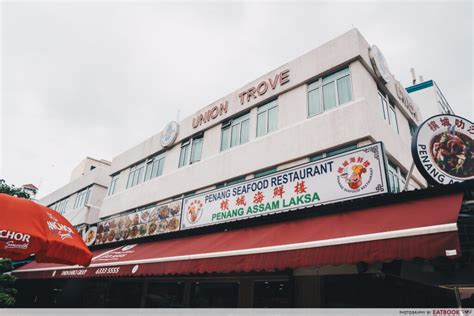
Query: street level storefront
column 377, row 248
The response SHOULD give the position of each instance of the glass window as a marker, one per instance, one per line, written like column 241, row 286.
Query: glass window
column 388, row 111
column 81, row 198
column 344, row 90
column 314, row 102
column 235, row 132
column 413, row 128
column 215, row 294
column 271, row 294
column 332, row 152
column 136, row 175
column 124, row 294
column 329, row 96
column 191, row 151
column 336, row 90
column 113, row 184
column 265, row 172
column 164, row 295
column 230, row 182
column 393, row 178
column 154, row 167
column 267, row 118
column 393, row 118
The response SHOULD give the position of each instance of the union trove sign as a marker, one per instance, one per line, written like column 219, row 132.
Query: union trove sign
column 355, row 174
column 442, row 149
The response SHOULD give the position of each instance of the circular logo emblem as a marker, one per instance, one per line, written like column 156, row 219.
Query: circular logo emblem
column 169, row 134
column 135, row 268
column 194, row 211
column 442, row 149
column 354, row 174
column 379, row 63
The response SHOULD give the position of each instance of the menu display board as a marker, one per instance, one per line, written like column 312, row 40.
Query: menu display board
column 357, row 173
column 150, row 221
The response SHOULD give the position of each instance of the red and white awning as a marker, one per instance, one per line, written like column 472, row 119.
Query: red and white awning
column 423, row 228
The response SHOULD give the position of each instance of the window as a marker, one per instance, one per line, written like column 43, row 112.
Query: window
column 329, row 92
column 332, row 152
column 113, row 184
column 230, row 182
column 413, row 128
column 154, row 166
column 394, row 178
column 388, row 111
column 271, row 294
column 235, row 132
column 136, row 175
column 267, row 118
column 215, row 294
column 60, row 206
column 191, row 151
column 265, row 172
column 81, row 198
column 165, row 294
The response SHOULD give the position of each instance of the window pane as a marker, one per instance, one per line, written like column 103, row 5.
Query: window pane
column 344, row 90
column 225, row 139
column 271, row 294
column 314, row 104
column 235, row 136
column 393, row 118
column 244, row 131
column 196, row 150
column 272, row 119
column 183, row 156
column 329, row 96
column 261, row 124
column 340, row 150
column 148, row 172
column 161, row 164
column 316, row 157
column 130, row 178
column 218, row 294
column 383, row 104
column 164, row 295
column 336, row 75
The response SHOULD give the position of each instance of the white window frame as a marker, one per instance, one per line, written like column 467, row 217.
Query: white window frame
column 156, row 162
column 189, row 146
column 136, row 174
column 265, row 110
column 323, row 81
column 113, row 184
column 229, row 125
column 82, row 198
column 388, row 106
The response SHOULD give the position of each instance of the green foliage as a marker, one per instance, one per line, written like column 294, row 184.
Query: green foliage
column 12, row 190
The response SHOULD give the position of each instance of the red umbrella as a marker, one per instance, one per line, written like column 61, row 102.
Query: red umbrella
column 27, row 228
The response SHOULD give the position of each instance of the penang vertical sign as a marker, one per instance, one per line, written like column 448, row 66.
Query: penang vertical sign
column 354, row 174
column 442, row 149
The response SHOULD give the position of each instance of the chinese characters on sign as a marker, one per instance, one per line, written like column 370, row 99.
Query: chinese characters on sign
column 443, row 149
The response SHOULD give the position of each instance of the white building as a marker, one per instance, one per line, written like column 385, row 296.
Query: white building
column 429, row 98
column 31, row 189
column 336, row 97
column 80, row 200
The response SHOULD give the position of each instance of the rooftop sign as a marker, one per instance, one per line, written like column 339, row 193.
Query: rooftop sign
column 442, row 149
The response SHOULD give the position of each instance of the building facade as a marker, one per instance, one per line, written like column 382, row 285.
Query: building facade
column 329, row 100
column 430, row 99
column 80, row 200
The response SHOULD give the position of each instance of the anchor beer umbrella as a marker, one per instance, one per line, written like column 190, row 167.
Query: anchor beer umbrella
column 28, row 228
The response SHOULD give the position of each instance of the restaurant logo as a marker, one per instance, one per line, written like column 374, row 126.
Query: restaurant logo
column 379, row 63
column 194, row 211
column 62, row 230
column 16, row 240
column 354, row 174
column 169, row 134
column 128, row 247
column 442, row 149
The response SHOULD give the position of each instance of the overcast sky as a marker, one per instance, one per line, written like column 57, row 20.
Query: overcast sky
column 96, row 78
